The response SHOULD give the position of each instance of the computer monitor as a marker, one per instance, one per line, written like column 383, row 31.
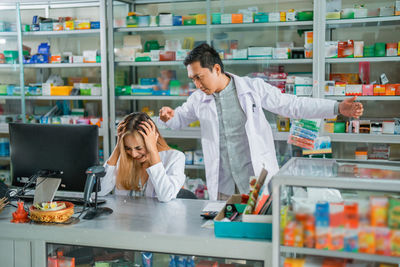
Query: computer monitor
column 71, row 149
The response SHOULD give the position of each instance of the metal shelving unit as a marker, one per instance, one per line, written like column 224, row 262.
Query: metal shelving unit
column 100, row 33
column 63, row 33
column 72, row 97
column 162, row 29
column 362, row 22
column 226, row 62
column 364, row 138
column 302, row 172
column 341, row 254
column 365, row 98
column 151, row 97
column 63, row 65
column 363, row 59
column 263, row 26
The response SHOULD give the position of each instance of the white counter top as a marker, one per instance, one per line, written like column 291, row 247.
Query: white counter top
column 142, row 224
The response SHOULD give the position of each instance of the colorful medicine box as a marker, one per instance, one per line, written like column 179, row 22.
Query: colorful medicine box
column 353, row 89
column 379, row 89
column 367, row 89
column 237, row 18
column 391, row 89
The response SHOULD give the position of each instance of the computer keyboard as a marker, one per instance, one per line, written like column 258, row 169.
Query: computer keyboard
column 74, row 200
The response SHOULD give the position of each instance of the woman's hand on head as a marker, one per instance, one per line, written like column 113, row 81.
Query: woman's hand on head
column 150, row 135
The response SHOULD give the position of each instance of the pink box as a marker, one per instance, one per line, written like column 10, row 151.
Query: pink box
column 368, row 89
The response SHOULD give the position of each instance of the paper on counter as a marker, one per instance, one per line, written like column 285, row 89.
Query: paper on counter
column 214, row 206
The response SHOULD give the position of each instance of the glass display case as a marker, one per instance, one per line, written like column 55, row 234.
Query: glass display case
column 336, row 212
column 68, row 256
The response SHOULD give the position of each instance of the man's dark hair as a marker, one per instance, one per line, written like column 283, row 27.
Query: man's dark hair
column 206, row 55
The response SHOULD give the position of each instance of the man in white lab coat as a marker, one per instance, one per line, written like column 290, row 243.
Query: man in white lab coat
column 236, row 137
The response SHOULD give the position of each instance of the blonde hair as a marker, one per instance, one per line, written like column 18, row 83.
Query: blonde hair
column 129, row 170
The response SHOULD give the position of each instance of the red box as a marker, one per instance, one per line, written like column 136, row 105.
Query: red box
column 368, row 89
column 390, row 89
column 346, row 49
column 167, row 55
column 379, row 89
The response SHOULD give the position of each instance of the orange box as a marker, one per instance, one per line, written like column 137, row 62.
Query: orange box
column 237, row 18
column 379, row 89
column 60, row 90
column 390, row 89
column 283, row 15
column 55, row 59
column 398, row 89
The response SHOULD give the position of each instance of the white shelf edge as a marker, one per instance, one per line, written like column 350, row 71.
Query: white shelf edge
column 185, row 133
column 8, row 34
column 367, row 161
column 362, row 20
column 362, row 59
column 56, row 33
column 4, row 66
column 262, row 25
column 150, row 97
column 161, row 28
column 10, row 97
column 366, row 98
column 341, row 254
column 364, row 138
column 63, row 65
column 226, row 62
column 63, row 97
column 192, row 167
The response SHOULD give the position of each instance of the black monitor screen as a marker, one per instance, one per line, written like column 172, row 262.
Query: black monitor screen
column 67, row 148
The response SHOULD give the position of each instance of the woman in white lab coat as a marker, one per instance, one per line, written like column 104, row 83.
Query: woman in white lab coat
column 142, row 164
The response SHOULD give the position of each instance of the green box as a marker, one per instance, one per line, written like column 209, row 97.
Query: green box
column 305, row 15
column 11, row 56
column 216, row 18
column 380, row 49
column 261, row 17
column 339, row 127
column 3, row 89
column 254, row 230
column 86, row 91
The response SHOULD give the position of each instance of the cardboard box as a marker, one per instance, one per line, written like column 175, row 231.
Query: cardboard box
column 237, row 18
column 367, row 89
column 252, row 226
column 259, row 52
column 165, row 19
column 274, row 17
column 89, row 56
column 239, row 53
column 354, row 89
column 391, row 89
column 379, row 89
column 226, row 18
column 340, row 88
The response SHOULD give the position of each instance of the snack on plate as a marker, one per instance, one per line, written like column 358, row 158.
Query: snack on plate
column 58, row 211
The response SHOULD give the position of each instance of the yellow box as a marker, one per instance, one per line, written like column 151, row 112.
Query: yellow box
column 61, row 90
column 82, row 25
column 283, row 16
column 398, row 49
column 201, row 19
column 69, row 25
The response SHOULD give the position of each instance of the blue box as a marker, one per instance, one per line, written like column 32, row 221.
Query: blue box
column 161, row 92
column 95, row 25
column 255, row 230
column 148, row 81
column 177, row 20
column 44, row 48
column 138, row 90
column 46, row 26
